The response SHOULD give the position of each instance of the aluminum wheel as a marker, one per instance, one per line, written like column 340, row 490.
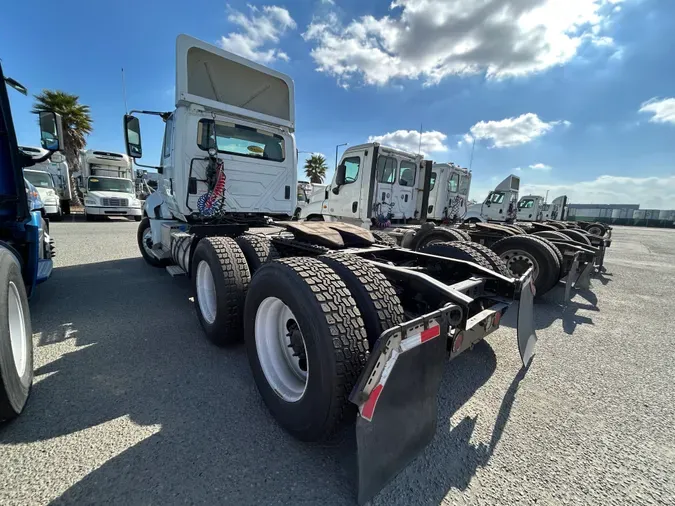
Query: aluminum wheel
column 281, row 349
column 595, row 230
column 519, row 261
column 17, row 330
column 147, row 241
column 206, row 292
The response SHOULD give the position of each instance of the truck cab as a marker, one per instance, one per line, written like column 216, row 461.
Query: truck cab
column 373, row 185
column 449, row 192
column 500, row 204
column 46, row 188
column 107, row 183
column 55, row 165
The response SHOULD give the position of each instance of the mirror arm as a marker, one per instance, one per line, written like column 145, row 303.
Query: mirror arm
column 163, row 115
column 146, row 166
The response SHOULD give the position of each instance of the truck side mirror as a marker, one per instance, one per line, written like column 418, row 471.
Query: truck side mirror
column 206, row 133
column 51, row 131
column 132, row 136
column 340, row 174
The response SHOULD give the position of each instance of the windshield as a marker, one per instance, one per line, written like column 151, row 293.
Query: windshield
column 110, row 184
column 39, row 179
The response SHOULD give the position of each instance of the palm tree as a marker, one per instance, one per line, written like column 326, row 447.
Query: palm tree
column 76, row 124
column 315, row 168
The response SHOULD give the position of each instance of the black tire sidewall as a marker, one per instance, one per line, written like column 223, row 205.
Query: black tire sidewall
column 226, row 327
column 15, row 388
column 547, row 277
column 315, row 404
column 142, row 226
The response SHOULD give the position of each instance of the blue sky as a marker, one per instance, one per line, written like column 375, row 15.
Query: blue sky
column 572, row 93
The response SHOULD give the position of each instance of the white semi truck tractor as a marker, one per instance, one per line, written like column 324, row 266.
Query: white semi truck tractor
column 108, row 185
column 51, row 178
column 330, row 316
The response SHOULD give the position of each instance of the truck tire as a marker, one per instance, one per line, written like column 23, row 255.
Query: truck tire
column 597, row 229
column 516, row 228
column 375, row 297
column 558, row 226
column 498, row 227
column 497, row 264
column 257, row 250
column 543, row 226
column 220, row 278
column 144, row 239
column 308, row 299
column 437, row 235
column 16, row 339
column 577, row 236
column 383, row 238
column 457, row 250
column 461, row 233
column 524, row 251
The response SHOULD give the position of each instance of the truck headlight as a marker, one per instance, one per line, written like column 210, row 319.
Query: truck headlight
column 51, row 193
column 90, row 202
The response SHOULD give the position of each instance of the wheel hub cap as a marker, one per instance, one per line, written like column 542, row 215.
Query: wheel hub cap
column 519, row 261
column 206, row 292
column 281, row 349
column 17, row 330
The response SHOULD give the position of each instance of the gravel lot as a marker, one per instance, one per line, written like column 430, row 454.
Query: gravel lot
column 131, row 405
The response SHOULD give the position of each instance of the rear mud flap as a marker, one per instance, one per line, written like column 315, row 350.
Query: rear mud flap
column 397, row 396
column 527, row 334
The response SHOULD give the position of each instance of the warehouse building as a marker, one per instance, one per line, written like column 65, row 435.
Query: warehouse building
column 621, row 214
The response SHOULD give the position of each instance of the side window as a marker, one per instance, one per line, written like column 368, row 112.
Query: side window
column 464, row 185
column 386, row 170
column 453, row 183
column 168, row 134
column 351, row 168
column 433, row 181
column 497, row 198
column 408, row 173
column 526, row 204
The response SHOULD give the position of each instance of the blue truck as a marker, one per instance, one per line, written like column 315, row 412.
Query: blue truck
column 26, row 251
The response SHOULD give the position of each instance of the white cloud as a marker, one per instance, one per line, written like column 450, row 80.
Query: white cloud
column 517, row 169
column 649, row 192
column 662, row 110
column 263, row 27
column 409, row 140
column 328, row 2
column 540, row 166
column 511, row 132
column 432, row 39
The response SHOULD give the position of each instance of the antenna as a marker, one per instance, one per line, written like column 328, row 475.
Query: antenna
column 419, row 150
column 473, row 146
column 124, row 93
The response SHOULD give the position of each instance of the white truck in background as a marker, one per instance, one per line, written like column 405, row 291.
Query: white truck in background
column 449, row 193
column 51, row 178
column 107, row 184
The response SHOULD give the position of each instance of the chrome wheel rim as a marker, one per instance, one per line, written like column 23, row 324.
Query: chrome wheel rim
column 206, row 292
column 519, row 261
column 146, row 240
column 17, row 330
column 281, row 349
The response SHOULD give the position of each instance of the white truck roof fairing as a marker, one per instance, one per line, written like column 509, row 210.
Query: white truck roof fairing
column 220, row 80
column 511, row 183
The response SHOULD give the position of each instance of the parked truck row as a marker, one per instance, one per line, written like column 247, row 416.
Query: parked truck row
column 330, row 315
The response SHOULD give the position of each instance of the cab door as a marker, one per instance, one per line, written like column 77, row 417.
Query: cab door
column 404, row 190
column 345, row 204
column 385, row 205
column 493, row 207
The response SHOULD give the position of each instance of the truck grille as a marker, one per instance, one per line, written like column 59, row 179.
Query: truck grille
column 114, row 202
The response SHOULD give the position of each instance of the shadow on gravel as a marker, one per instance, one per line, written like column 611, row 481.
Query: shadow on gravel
column 139, row 352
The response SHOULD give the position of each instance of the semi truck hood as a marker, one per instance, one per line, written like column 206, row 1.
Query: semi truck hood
column 47, row 194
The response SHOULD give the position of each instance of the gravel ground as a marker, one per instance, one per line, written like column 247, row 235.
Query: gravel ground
column 131, row 405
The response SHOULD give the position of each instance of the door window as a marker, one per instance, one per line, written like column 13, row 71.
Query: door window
column 408, row 170
column 351, row 168
column 386, row 170
column 433, row 181
column 526, row 204
column 496, row 198
column 453, row 183
column 168, row 134
column 464, row 185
